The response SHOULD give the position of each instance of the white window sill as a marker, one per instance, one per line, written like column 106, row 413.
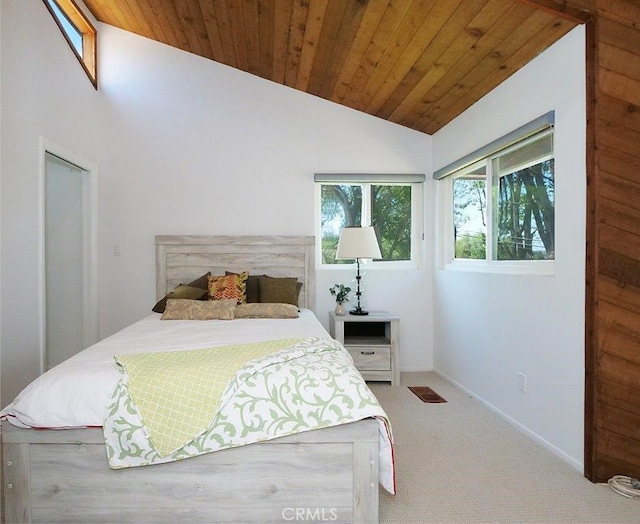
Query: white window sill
column 543, row 268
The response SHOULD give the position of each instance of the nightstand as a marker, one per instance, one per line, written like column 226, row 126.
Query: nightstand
column 372, row 341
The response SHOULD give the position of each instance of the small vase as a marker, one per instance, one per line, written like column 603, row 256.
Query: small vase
column 340, row 309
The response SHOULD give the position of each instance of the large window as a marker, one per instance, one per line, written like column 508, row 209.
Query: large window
column 79, row 33
column 501, row 202
column 393, row 208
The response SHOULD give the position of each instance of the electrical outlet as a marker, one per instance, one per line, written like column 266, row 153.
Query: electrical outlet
column 522, row 382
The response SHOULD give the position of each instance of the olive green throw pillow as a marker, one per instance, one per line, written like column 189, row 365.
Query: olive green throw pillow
column 200, row 282
column 278, row 290
column 181, row 291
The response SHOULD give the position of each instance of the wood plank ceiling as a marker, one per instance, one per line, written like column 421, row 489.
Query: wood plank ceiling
column 418, row 63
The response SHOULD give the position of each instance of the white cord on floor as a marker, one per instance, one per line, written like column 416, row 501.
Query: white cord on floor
column 626, row 486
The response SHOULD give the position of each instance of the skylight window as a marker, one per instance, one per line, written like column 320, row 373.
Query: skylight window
column 78, row 32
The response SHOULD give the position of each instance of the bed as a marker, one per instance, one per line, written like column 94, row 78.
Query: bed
column 62, row 475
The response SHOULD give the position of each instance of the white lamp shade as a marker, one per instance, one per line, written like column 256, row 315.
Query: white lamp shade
column 358, row 242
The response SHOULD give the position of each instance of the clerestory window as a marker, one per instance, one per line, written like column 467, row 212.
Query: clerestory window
column 78, row 32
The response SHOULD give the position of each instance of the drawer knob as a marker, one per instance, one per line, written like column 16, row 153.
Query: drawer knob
column 367, row 352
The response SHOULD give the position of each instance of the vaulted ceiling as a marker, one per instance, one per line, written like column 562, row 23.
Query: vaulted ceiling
column 418, row 63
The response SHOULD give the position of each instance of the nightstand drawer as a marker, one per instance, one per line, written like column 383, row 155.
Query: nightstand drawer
column 371, row 358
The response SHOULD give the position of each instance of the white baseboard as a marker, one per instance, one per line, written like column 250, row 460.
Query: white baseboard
column 523, row 429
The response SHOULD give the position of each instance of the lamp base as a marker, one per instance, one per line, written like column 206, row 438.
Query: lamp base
column 358, row 311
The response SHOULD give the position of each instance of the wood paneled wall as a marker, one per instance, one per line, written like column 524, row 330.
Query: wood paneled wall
column 612, row 305
column 612, row 387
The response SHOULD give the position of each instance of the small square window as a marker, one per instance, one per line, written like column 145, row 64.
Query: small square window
column 394, row 209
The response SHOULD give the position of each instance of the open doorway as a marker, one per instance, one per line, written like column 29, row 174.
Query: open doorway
column 69, row 301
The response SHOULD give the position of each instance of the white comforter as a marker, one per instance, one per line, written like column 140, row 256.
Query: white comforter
column 76, row 392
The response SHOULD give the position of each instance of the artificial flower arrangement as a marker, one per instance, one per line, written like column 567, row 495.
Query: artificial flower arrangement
column 341, row 292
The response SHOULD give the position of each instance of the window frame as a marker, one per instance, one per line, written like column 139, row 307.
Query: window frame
column 492, row 186
column 486, row 155
column 417, row 219
column 75, row 16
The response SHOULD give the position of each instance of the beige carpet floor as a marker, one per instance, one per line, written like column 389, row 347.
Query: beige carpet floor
column 457, row 462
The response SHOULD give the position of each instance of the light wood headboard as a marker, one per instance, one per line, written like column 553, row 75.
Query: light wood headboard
column 183, row 258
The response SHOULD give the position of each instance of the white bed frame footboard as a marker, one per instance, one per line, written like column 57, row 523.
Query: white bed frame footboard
column 322, row 475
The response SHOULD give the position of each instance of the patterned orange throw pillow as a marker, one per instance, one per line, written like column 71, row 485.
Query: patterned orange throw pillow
column 229, row 286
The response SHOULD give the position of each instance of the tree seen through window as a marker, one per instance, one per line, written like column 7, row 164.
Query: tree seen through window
column 387, row 207
column 517, row 201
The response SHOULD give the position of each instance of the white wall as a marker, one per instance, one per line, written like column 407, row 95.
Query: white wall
column 44, row 92
column 490, row 327
column 206, row 149
column 183, row 146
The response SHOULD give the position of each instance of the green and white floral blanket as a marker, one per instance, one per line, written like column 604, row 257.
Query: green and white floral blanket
column 174, row 405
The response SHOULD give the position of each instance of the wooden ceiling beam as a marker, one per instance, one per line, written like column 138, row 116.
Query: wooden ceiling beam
column 578, row 11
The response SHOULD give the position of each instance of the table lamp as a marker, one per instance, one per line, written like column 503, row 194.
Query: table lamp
column 358, row 242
